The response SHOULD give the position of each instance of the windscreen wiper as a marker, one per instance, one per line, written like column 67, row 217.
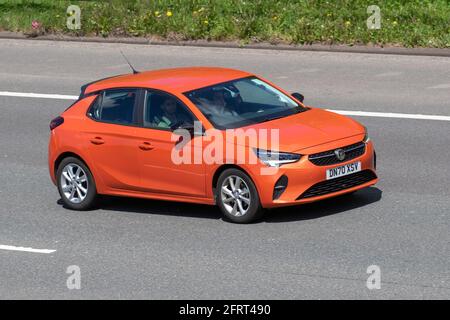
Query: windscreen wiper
column 273, row 118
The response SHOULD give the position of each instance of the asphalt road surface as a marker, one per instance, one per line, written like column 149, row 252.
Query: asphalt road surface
column 159, row 250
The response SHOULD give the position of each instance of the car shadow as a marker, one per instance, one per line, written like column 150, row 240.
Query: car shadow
column 326, row 207
column 295, row 213
column 145, row 206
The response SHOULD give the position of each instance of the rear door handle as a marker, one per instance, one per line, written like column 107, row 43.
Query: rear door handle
column 146, row 146
column 97, row 141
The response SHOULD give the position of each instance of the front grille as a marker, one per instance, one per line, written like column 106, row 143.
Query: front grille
column 329, row 157
column 338, row 184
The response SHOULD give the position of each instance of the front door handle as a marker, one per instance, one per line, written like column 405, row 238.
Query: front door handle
column 146, row 146
column 97, row 141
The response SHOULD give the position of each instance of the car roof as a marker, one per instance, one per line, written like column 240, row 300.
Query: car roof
column 172, row 80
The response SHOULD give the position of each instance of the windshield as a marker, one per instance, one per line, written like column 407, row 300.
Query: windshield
column 242, row 102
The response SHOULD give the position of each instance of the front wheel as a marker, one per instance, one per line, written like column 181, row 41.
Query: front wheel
column 237, row 197
column 76, row 185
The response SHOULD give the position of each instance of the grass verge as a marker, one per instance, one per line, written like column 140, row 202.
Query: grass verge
column 408, row 23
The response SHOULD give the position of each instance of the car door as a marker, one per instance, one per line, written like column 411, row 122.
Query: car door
column 112, row 138
column 159, row 172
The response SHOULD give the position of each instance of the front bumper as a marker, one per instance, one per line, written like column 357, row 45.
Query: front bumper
column 304, row 176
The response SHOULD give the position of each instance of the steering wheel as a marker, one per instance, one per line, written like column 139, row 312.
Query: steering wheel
column 176, row 125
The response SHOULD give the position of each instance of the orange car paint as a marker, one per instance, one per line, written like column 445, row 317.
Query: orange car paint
column 123, row 164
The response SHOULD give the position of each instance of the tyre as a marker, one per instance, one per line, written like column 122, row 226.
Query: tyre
column 76, row 185
column 237, row 197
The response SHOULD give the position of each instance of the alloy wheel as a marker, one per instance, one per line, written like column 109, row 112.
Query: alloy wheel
column 74, row 183
column 235, row 195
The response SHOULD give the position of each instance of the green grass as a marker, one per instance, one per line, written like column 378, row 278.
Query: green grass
column 410, row 23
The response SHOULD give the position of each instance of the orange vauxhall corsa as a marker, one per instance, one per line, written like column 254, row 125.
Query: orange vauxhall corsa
column 206, row 135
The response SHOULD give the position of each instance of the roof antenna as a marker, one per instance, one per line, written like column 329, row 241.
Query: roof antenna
column 134, row 70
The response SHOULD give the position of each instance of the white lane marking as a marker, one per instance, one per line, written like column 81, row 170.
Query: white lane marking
column 392, row 115
column 37, row 95
column 343, row 112
column 440, row 86
column 24, row 249
column 388, row 74
column 307, row 70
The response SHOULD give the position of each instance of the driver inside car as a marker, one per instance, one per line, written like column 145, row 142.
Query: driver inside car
column 171, row 115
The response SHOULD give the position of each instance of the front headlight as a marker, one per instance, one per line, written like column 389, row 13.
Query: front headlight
column 366, row 136
column 275, row 158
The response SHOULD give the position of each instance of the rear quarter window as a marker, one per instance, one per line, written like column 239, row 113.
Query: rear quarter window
column 115, row 106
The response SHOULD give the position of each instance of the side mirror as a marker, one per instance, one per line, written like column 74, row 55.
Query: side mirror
column 298, row 96
column 193, row 130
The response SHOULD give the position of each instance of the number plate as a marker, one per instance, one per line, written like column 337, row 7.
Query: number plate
column 343, row 170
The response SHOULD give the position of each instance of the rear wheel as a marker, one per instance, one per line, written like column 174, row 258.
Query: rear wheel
column 237, row 197
column 76, row 185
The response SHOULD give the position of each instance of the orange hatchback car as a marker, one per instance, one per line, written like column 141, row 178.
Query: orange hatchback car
column 206, row 135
